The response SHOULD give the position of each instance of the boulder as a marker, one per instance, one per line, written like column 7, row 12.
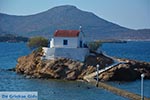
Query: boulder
column 129, row 71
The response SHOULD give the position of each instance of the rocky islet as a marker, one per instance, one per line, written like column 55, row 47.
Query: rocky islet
column 32, row 66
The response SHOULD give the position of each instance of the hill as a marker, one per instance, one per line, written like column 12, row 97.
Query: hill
column 12, row 38
column 66, row 17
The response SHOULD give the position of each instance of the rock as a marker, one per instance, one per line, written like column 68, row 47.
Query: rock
column 129, row 71
column 71, row 76
column 100, row 59
column 60, row 68
column 12, row 69
column 28, row 77
column 64, row 68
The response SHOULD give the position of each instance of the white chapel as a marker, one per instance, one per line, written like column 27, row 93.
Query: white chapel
column 66, row 39
column 66, row 44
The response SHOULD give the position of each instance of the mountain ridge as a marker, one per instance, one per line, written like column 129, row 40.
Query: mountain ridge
column 63, row 17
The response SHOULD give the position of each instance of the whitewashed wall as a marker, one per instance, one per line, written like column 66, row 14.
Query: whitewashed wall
column 72, row 53
column 72, row 42
column 52, row 43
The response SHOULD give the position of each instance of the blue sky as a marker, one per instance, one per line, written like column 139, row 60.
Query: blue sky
column 128, row 13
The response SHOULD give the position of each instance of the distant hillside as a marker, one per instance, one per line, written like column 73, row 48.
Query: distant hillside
column 141, row 34
column 66, row 17
column 12, row 38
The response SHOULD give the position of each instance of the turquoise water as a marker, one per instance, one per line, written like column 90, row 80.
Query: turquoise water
column 47, row 89
column 131, row 50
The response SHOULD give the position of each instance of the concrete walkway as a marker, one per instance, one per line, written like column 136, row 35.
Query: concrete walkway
column 90, row 78
column 92, row 75
column 118, row 91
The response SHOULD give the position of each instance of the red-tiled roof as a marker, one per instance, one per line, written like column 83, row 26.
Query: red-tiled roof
column 66, row 33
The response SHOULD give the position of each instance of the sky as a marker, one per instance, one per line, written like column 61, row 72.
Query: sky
column 134, row 14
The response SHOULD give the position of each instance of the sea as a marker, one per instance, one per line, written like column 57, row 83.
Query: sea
column 134, row 50
column 52, row 89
